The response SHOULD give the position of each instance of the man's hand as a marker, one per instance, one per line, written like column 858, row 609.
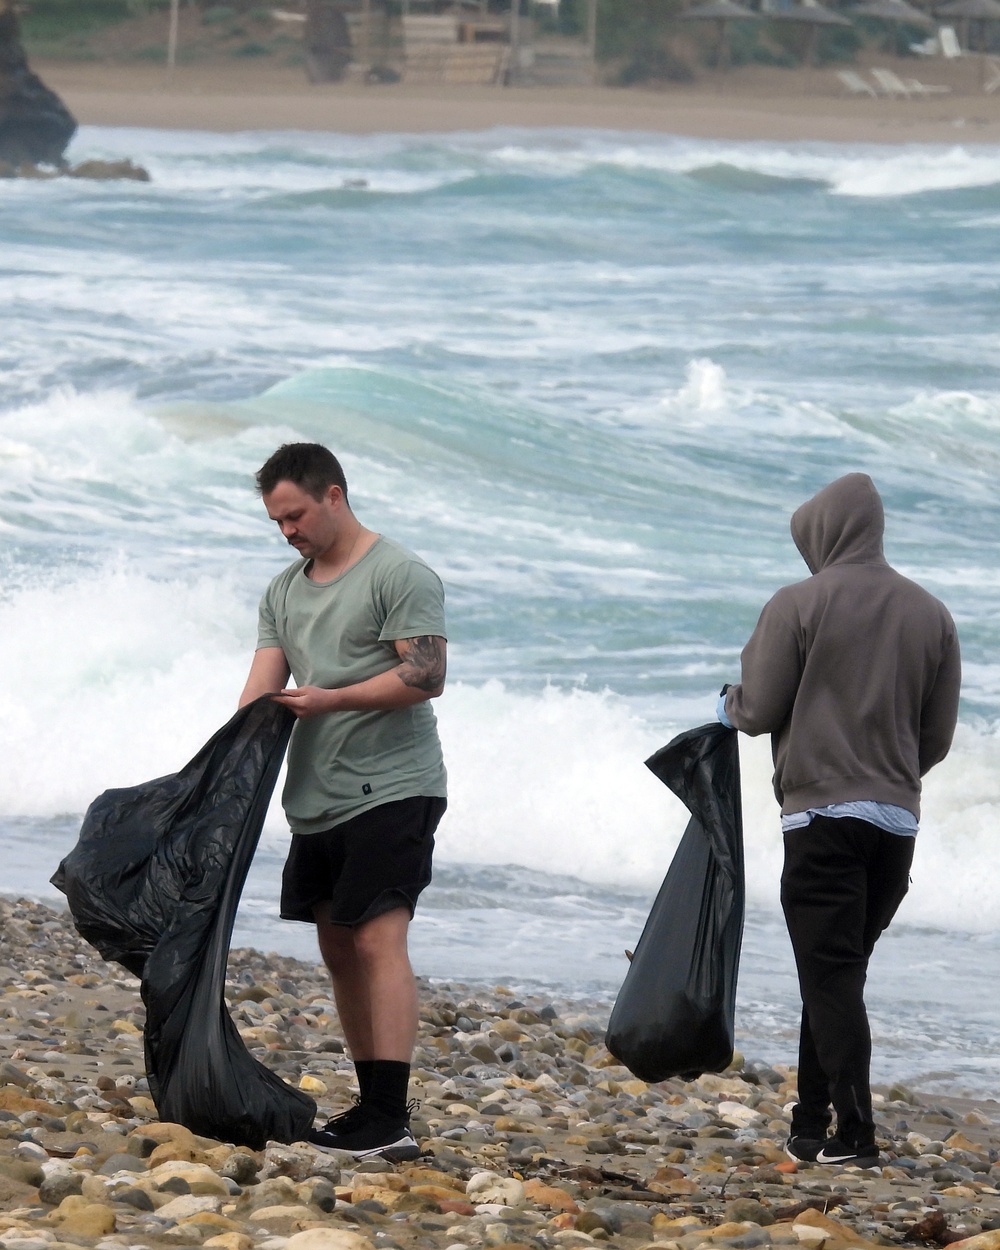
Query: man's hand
column 308, row 700
column 419, row 676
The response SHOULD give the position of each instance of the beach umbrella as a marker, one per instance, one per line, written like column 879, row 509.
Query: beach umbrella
column 967, row 11
column 722, row 12
column 812, row 16
column 894, row 13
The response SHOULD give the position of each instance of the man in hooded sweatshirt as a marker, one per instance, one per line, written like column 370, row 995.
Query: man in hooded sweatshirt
column 855, row 674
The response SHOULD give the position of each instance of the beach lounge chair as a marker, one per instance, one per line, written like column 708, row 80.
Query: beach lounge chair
column 890, row 84
column 931, row 46
column 906, row 88
column 991, row 82
column 918, row 88
column 854, row 84
column 950, row 47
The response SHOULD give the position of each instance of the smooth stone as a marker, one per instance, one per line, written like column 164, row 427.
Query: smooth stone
column 374, row 1165
column 122, row 1163
column 59, row 1185
column 328, row 1239
column 748, row 1210
column 175, row 1185
column 140, row 1145
column 137, row 1198
column 240, row 1167
column 23, row 1170
column 187, row 1205
column 591, row 1222
column 299, row 1163
column 90, row 1220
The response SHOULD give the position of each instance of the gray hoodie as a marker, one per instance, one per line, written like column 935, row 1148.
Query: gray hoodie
column 854, row 672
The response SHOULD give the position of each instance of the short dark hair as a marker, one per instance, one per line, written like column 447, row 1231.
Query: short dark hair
column 310, row 466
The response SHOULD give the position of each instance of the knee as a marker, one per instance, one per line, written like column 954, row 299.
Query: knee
column 381, row 940
column 336, row 944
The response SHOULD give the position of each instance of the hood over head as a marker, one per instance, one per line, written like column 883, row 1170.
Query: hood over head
column 842, row 524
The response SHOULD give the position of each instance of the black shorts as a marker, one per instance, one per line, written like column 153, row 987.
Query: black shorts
column 370, row 864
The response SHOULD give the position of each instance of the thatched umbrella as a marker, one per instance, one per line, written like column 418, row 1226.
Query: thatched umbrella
column 722, row 12
column 812, row 16
column 894, row 13
column 967, row 11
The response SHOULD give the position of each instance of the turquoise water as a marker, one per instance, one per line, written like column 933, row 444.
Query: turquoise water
column 587, row 375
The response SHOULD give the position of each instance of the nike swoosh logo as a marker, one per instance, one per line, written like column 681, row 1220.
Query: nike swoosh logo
column 823, row 1157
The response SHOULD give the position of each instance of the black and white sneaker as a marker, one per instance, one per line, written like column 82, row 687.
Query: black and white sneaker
column 804, row 1149
column 375, row 1134
column 836, row 1152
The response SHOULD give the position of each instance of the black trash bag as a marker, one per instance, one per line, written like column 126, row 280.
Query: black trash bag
column 154, row 883
column 675, row 1012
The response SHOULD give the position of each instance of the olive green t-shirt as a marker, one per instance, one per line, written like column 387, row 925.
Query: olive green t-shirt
column 338, row 633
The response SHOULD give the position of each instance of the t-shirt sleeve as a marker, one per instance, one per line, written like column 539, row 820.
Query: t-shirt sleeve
column 413, row 601
column 267, row 625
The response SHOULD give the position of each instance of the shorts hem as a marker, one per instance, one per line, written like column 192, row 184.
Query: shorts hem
column 391, row 898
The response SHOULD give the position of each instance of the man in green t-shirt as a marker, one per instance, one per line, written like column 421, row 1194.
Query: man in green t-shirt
column 358, row 622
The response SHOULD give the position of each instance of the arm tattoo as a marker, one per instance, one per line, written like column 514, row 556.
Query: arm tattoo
column 423, row 665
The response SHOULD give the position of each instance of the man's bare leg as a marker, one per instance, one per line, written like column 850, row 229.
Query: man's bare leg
column 350, row 988
column 380, row 947
column 376, row 998
column 373, row 984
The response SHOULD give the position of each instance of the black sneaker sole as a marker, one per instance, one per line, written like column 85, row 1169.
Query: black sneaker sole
column 395, row 1154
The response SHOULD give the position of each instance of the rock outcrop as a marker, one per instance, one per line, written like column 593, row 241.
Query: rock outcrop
column 35, row 125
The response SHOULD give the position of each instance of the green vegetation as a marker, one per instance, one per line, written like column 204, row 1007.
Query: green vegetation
column 52, row 20
column 638, row 40
column 218, row 13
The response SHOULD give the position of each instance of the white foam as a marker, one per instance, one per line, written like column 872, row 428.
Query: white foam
column 556, row 783
column 865, row 171
column 956, row 872
column 704, row 390
column 111, row 677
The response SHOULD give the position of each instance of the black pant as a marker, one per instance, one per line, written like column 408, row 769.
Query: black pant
column 842, row 883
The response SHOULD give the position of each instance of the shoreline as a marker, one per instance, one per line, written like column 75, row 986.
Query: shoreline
column 746, row 104
column 532, row 1135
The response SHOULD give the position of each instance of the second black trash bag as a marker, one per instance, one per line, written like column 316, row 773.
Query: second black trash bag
column 675, row 1012
column 154, row 883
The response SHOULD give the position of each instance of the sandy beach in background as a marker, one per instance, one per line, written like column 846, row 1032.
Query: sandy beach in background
column 743, row 104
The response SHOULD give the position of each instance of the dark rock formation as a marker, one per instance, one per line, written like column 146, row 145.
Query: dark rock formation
column 100, row 171
column 105, row 170
column 35, row 125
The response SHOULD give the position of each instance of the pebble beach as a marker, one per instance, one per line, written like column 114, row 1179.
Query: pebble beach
column 532, row 1135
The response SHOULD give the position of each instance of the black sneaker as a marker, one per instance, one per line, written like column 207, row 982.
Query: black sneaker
column 835, row 1151
column 348, row 1120
column 376, row 1134
column 804, row 1149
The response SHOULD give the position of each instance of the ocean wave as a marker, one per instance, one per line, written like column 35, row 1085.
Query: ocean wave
column 114, row 677
column 316, row 169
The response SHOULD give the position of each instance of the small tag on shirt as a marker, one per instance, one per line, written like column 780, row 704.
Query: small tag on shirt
column 366, row 788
